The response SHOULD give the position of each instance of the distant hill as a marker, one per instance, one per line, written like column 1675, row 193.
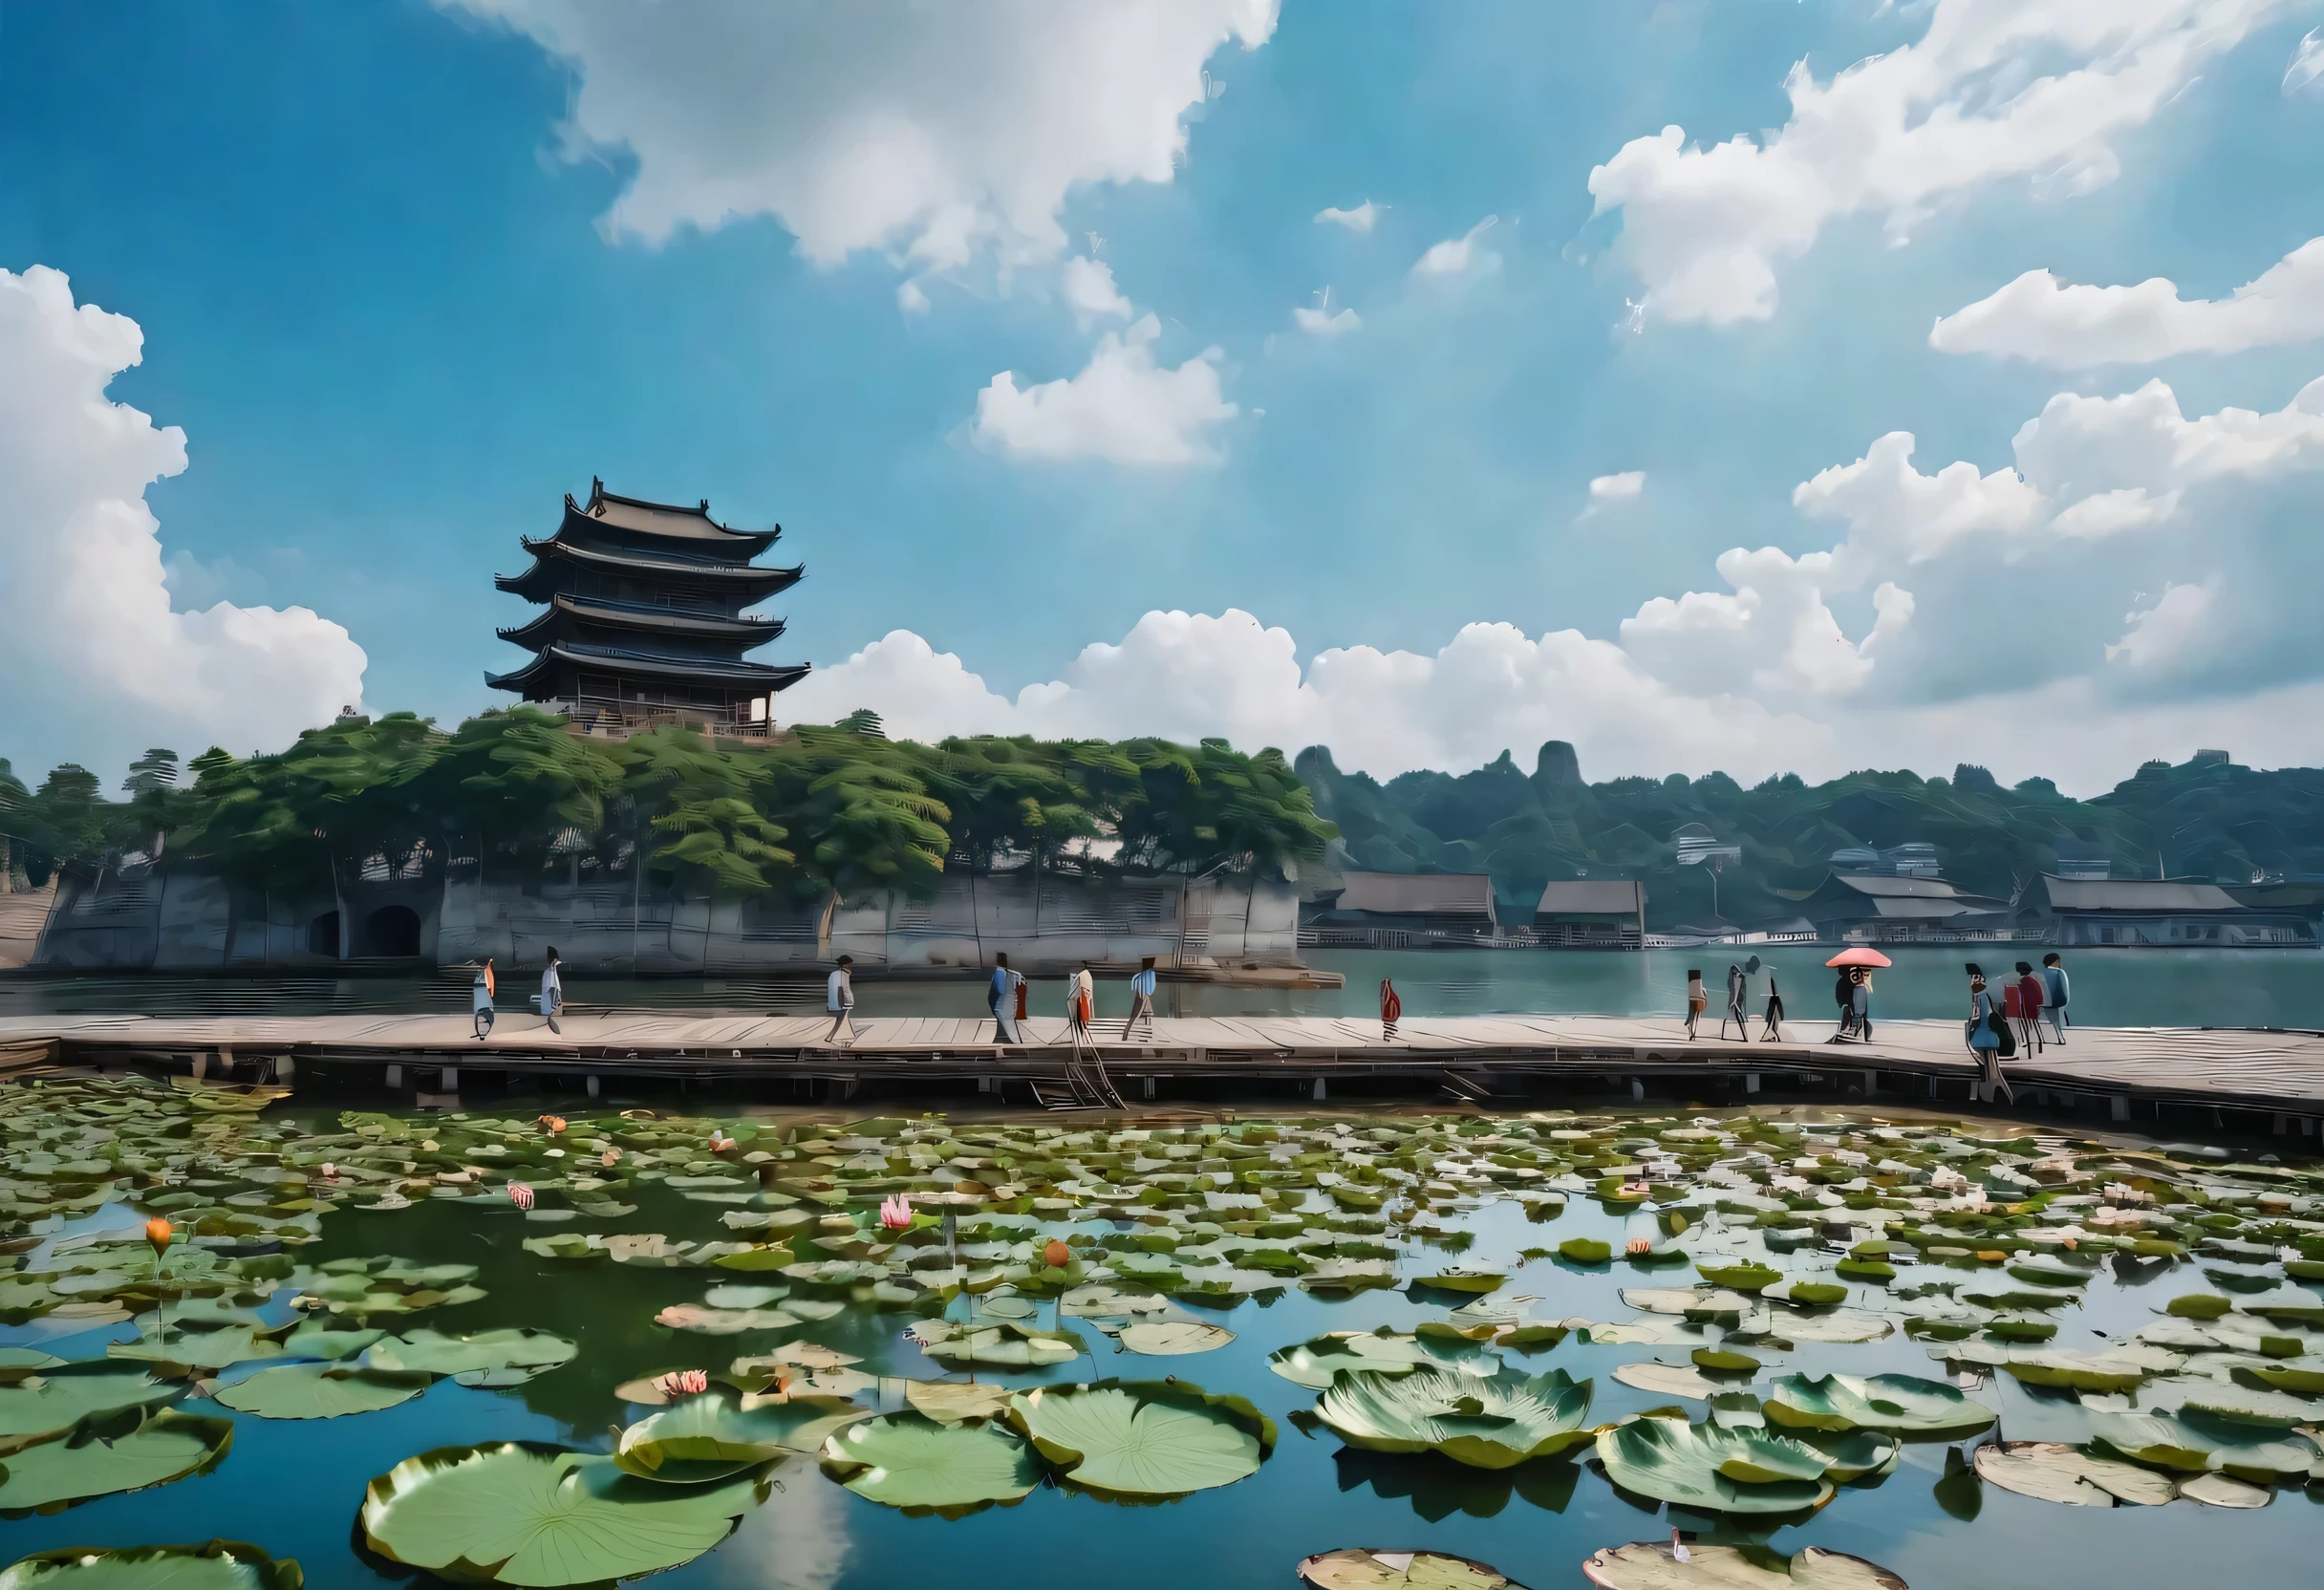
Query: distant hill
column 2208, row 818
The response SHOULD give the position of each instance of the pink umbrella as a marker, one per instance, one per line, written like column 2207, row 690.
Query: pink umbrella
column 1861, row 956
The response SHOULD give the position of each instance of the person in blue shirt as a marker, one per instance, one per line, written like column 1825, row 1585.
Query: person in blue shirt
column 1142, row 999
column 1001, row 997
column 552, row 991
column 2054, row 979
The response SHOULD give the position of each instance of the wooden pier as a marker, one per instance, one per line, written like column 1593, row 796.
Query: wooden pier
column 1512, row 1060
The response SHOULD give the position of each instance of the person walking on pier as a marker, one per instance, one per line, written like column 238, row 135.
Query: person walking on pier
column 1985, row 1039
column 1391, row 1011
column 1738, row 990
column 479, row 998
column 1773, row 1033
column 1001, row 997
column 553, row 991
column 2055, row 988
column 839, row 999
column 1081, row 1002
column 1843, row 995
column 1860, row 1003
column 2029, row 1008
column 1141, row 998
column 1696, row 999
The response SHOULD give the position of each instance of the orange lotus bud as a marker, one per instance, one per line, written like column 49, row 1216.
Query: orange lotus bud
column 1057, row 1256
column 552, row 1124
column 158, row 1233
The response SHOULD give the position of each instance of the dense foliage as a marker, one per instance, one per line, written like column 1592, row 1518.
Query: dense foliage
column 838, row 808
column 2205, row 819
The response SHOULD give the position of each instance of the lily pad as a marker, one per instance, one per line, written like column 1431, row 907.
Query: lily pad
column 949, row 1401
column 1712, row 1469
column 506, row 1357
column 2049, row 1471
column 516, row 1512
column 1667, row 1380
column 1313, row 1364
column 50, row 1404
column 127, row 1449
column 1485, row 1422
column 1354, row 1568
column 1174, row 1338
column 320, row 1392
column 1652, row 1565
column 2196, row 1442
column 1144, row 1439
column 922, row 1465
column 723, row 1433
column 218, row 1565
column 1899, row 1404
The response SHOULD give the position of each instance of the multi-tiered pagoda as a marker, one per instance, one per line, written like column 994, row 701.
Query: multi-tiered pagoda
column 646, row 621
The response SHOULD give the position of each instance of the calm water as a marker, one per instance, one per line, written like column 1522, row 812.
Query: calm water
column 2266, row 988
column 296, row 1487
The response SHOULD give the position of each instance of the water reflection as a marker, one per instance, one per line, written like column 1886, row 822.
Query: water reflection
column 1438, row 1488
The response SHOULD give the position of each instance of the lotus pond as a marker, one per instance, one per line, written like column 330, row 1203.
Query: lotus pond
column 788, row 1349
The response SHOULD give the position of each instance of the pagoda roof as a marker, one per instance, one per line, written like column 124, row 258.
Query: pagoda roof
column 742, row 577
column 668, row 521
column 568, row 613
column 622, row 660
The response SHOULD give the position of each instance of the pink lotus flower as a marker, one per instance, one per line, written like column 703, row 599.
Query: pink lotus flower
column 719, row 1142
column 519, row 1195
column 894, row 1214
column 684, row 1383
column 330, row 1172
column 610, row 1158
column 1638, row 1245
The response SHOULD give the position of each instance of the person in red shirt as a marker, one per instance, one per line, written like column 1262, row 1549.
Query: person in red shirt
column 1391, row 1010
column 2028, row 998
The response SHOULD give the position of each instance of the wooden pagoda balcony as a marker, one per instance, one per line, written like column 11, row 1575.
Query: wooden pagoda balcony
column 606, row 717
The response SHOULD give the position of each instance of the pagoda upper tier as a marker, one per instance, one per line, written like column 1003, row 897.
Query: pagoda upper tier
column 644, row 617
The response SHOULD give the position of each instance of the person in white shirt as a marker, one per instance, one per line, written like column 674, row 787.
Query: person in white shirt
column 1141, row 998
column 553, row 991
column 1081, row 1001
column 839, row 999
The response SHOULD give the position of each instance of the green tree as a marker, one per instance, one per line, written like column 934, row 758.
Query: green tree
column 697, row 800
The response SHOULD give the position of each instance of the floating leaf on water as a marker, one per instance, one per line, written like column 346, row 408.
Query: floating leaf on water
column 1584, row 1249
column 2051, row 1471
column 505, row 1357
column 1354, row 1568
column 50, row 1404
column 218, row 1565
column 1144, row 1439
column 127, row 1449
column 320, row 1392
column 519, row 1513
column 922, row 1465
column 1713, row 1469
column 1652, row 1565
column 2196, row 1442
column 315, row 1338
column 949, row 1401
column 721, row 1433
column 1665, row 1380
column 1384, row 1351
column 181, row 1352
column 1485, row 1422
column 1461, row 1278
column 1003, row 1344
column 2222, row 1491
column 1899, row 1404
column 1174, row 1338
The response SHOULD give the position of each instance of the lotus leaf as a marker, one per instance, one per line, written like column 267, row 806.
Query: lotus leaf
column 2052, row 1472
column 1354, row 1568
column 1487, row 1421
column 2222, row 1491
column 181, row 1352
column 219, row 1565
column 313, row 1339
column 1854, row 1454
column 506, row 1357
column 1174, row 1338
column 126, row 1449
column 51, row 1402
column 1313, row 1364
column 515, row 1513
column 1460, row 1278
column 320, row 1392
column 2196, row 1442
column 1144, row 1439
column 723, row 1433
column 1001, row 1346
column 949, row 1401
column 1901, row 1403
column 1651, row 1565
column 1665, row 1380
column 1584, row 1249
column 1740, row 1278
column 916, row 1463
column 1713, row 1469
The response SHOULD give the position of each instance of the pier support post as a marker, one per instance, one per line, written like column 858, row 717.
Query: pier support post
column 394, row 1076
column 450, row 1076
column 1149, row 1080
column 1318, row 1095
column 1638, row 1091
column 1751, row 1082
column 593, row 1084
column 1872, row 1083
column 984, row 1085
column 286, row 1070
column 200, row 1066
column 2282, row 1123
column 2119, row 1107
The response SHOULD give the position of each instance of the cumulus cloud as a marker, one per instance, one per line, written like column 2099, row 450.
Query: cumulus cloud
column 937, row 130
column 1458, row 258
column 2306, row 73
column 1362, row 218
column 1614, row 489
column 1123, row 407
column 1089, row 290
column 1994, row 89
column 104, row 664
column 1322, row 322
column 2037, row 318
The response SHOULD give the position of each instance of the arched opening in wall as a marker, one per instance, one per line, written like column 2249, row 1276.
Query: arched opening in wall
column 323, row 936
column 391, row 931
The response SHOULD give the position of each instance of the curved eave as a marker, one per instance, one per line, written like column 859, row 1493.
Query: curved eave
column 706, row 537
column 610, row 660
column 569, row 619
column 748, row 579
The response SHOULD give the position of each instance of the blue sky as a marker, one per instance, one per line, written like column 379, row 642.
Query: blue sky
column 406, row 273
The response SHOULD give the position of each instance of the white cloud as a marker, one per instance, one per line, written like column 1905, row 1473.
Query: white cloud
column 2174, row 631
column 2079, row 447
column 2112, row 512
column 1121, row 407
column 1324, row 323
column 1994, row 89
column 1459, row 257
column 940, row 131
column 1605, row 489
column 1089, row 290
column 1362, row 218
column 2034, row 317
column 2306, row 73
column 104, row 664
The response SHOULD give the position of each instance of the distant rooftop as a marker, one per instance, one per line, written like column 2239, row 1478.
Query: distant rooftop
column 1419, row 893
